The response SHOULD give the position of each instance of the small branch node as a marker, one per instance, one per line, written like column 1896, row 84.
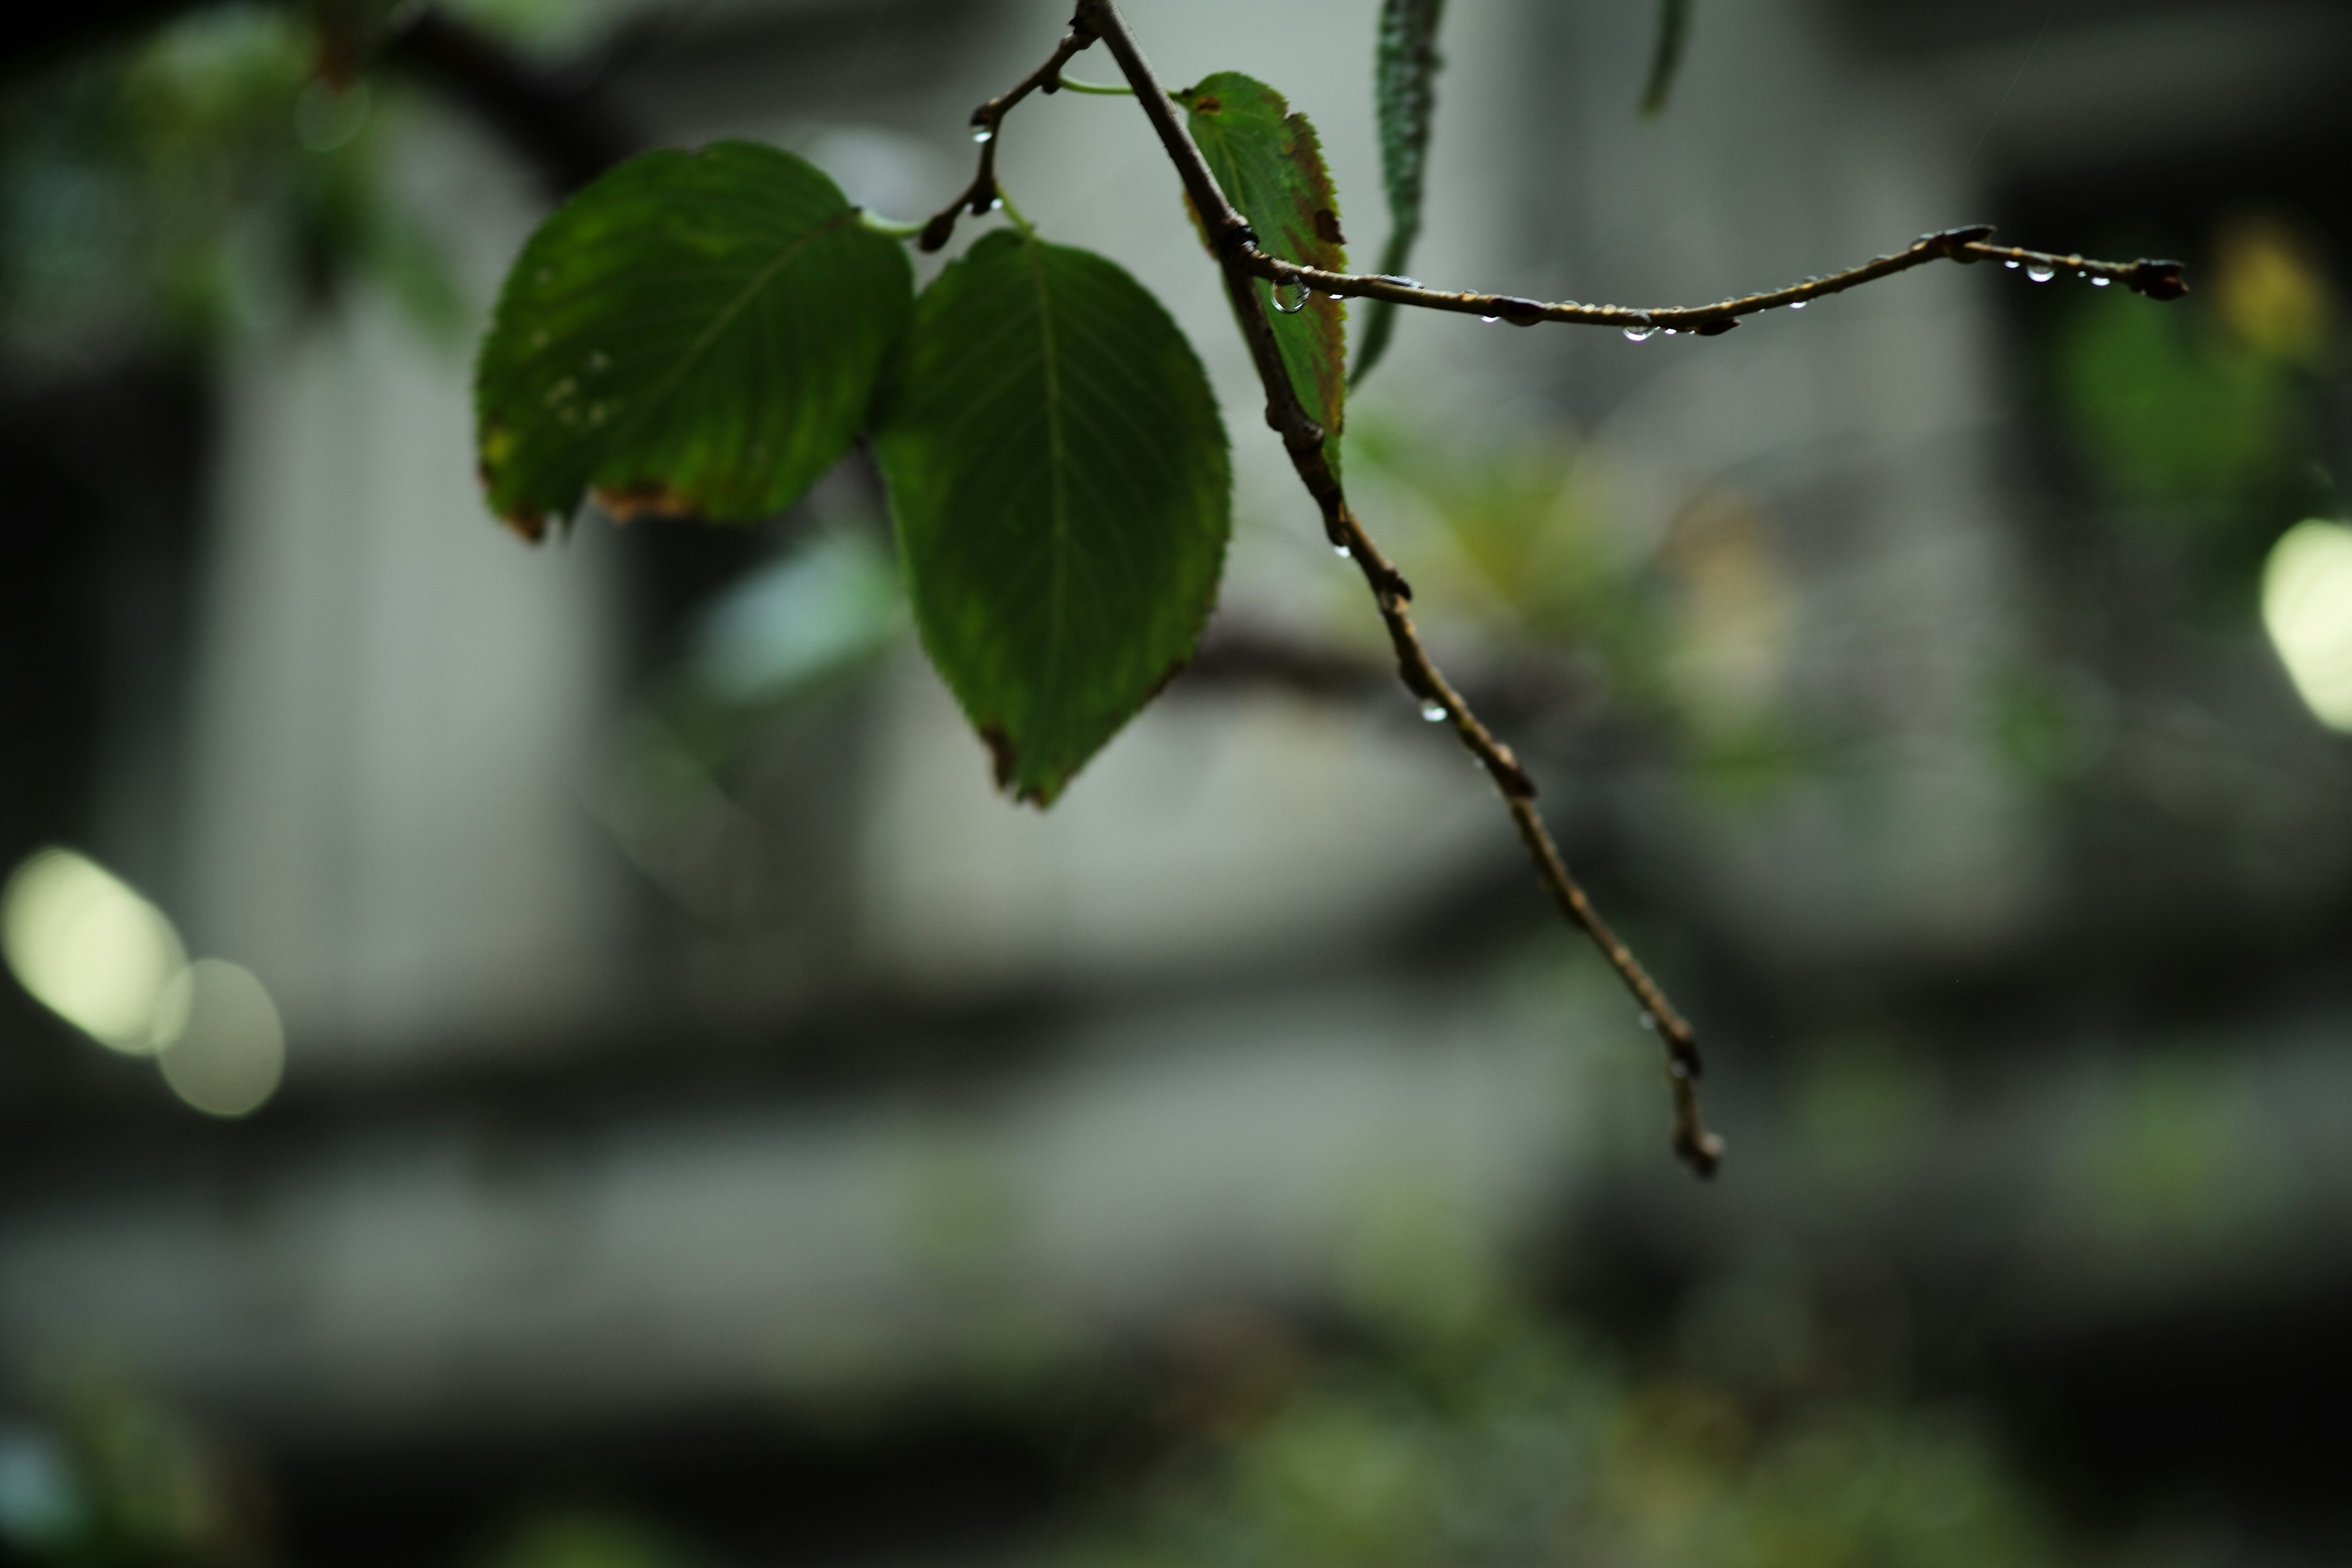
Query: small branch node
column 2157, row 279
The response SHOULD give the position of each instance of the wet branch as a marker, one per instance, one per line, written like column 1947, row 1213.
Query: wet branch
column 1241, row 262
column 986, row 120
column 2157, row 279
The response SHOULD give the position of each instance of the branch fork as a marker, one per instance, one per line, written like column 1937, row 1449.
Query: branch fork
column 1244, row 264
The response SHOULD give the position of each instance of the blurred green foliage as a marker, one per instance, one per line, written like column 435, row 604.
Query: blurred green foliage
column 199, row 178
column 114, row 1476
column 2198, row 424
column 1516, row 1440
column 585, row 1538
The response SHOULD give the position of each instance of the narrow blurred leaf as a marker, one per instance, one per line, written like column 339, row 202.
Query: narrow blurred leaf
column 1673, row 32
column 1404, row 91
column 798, row 621
column 1270, row 165
column 696, row 334
column 1059, row 475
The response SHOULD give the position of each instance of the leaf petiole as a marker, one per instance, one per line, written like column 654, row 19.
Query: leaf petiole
column 1005, row 204
column 890, row 227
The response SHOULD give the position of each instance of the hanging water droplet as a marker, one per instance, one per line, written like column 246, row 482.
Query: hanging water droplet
column 983, row 135
column 2101, row 282
column 1490, row 321
column 1343, row 552
column 1799, row 304
column 1640, row 331
column 2039, row 273
column 1673, row 332
column 1434, row 711
column 2013, row 264
column 996, row 203
column 1290, row 297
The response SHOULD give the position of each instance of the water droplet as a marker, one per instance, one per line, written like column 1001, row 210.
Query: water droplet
column 1399, row 282
column 1490, row 321
column 996, row 203
column 2039, row 273
column 983, row 135
column 2101, row 282
column 1673, row 332
column 2011, row 264
column 1290, row 297
column 1343, row 552
column 1640, row 331
column 1434, row 711
column 1799, row 304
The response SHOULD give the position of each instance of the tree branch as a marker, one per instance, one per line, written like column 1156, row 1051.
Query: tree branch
column 2157, row 279
column 1241, row 262
column 986, row 120
column 567, row 130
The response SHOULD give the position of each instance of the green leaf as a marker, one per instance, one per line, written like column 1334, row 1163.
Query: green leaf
column 1673, row 32
column 1059, row 475
column 1270, row 166
column 1404, row 90
column 696, row 334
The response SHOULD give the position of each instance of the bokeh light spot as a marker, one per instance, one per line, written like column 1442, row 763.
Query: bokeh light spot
column 231, row 1050
column 2307, row 610
column 90, row 949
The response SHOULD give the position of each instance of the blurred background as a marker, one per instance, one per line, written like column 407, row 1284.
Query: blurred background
column 558, row 1059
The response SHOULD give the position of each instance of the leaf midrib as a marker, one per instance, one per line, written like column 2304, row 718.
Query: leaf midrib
column 654, row 401
column 1032, row 251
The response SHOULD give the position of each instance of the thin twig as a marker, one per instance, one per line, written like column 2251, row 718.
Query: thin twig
column 1241, row 262
column 986, row 121
column 2157, row 279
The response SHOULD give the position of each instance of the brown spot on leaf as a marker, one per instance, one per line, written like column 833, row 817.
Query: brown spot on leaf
column 1208, row 103
column 647, row 497
column 530, row 526
column 1327, row 226
column 1000, row 754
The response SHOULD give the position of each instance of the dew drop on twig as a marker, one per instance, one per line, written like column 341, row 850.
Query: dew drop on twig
column 1434, row 711
column 983, row 135
column 2101, row 282
column 2039, row 273
column 1343, row 552
column 1291, row 297
column 1799, row 304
